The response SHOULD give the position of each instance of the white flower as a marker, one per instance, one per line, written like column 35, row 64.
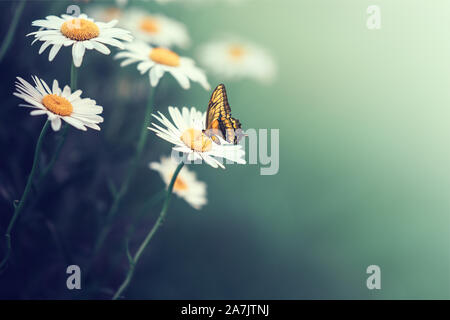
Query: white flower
column 121, row 3
column 236, row 59
column 59, row 104
column 157, row 61
column 186, row 185
column 105, row 14
column 81, row 33
column 155, row 29
column 186, row 133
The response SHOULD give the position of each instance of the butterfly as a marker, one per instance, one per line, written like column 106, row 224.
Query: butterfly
column 219, row 122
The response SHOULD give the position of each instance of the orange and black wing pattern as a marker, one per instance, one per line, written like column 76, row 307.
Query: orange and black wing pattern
column 219, row 121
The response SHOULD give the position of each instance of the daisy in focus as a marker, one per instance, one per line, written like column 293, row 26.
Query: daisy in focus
column 59, row 104
column 186, row 133
column 186, row 185
column 155, row 29
column 236, row 59
column 157, row 61
column 81, row 33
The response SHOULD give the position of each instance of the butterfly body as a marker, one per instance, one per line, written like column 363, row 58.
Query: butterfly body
column 219, row 121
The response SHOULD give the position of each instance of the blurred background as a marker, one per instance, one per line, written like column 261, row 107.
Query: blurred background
column 364, row 161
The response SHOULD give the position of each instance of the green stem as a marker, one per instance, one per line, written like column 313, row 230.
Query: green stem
column 20, row 205
column 73, row 77
column 134, row 260
column 12, row 29
column 55, row 156
column 128, row 177
column 145, row 208
column 156, row 198
column 73, row 87
column 62, row 138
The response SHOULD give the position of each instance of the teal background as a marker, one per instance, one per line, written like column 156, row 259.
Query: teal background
column 363, row 118
column 364, row 158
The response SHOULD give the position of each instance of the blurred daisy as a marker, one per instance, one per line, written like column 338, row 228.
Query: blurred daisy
column 155, row 29
column 122, row 3
column 81, row 33
column 186, row 185
column 104, row 14
column 59, row 104
column 234, row 59
column 157, row 61
column 186, row 133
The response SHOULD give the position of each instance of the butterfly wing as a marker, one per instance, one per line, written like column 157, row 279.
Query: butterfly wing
column 217, row 104
column 213, row 113
column 218, row 117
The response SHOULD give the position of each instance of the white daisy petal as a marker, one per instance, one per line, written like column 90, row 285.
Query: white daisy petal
column 74, row 96
column 111, row 42
column 155, row 74
column 185, row 132
column 235, row 59
column 53, row 51
column 181, row 78
column 209, row 160
column 92, row 126
column 30, row 100
column 74, row 122
column 100, row 47
column 155, row 28
column 88, row 44
column 78, row 53
column 56, row 124
column 66, row 92
column 56, row 104
column 81, row 36
column 38, row 112
column 157, row 61
column 44, row 46
column 55, row 88
column 186, row 185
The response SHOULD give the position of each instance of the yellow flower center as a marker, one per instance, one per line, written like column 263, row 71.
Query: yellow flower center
column 80, row 29
column 196, row 140
column 236, row 52
column 165, row 56
column 58, row 105
column 179, row 185
column 149, row 25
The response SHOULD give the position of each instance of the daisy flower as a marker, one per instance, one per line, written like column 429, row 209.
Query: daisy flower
column 186, row 133
column 81, row 33
column 105, row 14
column 59, row 104
column 237, row 59
column 157, row 61
column 122, row 3
column 186, row 185
column 155, row 29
